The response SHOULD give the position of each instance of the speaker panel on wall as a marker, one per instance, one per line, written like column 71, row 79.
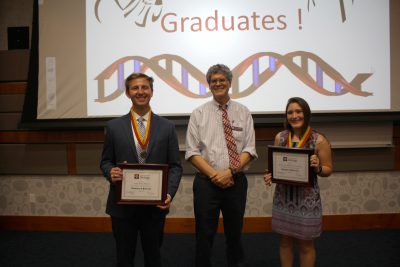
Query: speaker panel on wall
column 18, row 37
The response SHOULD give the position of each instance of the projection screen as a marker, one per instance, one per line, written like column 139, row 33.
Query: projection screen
column 335, row 54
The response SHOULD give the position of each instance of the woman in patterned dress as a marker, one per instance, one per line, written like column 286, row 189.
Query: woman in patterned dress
column 296, row 209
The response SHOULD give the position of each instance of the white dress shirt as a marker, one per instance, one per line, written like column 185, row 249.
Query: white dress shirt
column 205, row 133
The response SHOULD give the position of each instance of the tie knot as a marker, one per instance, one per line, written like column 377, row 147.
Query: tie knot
column 223, row 107
column 140, row 119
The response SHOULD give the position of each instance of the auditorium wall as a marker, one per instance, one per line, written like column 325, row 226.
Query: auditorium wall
column 56, row 172
column 343, row 193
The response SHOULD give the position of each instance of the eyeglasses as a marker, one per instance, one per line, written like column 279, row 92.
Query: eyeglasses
column 215, row 81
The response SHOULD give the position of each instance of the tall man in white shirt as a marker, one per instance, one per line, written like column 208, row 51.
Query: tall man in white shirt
column 220, row 184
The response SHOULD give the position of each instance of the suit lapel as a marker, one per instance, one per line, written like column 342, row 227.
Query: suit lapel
column 153, row 132
column 127, row 129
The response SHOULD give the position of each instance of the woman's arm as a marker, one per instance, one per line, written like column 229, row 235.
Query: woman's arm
column 324, row 154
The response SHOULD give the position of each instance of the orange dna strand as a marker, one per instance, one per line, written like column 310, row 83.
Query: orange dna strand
column 163, row 65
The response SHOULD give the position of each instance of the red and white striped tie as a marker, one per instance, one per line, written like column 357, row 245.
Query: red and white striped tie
column 234, row 159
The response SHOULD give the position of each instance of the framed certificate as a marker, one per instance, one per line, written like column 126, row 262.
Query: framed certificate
column 290, row 165
column 144, row 184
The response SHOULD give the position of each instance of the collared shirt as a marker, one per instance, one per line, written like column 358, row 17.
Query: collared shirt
column 205, row 133
column 145, row 120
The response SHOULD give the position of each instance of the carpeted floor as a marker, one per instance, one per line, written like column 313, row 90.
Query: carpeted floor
column 364, row 248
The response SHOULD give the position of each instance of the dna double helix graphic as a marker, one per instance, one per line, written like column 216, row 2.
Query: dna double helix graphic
column 259, row 76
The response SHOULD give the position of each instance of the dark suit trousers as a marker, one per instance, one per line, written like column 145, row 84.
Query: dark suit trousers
column 150, row 226
column 209, row 200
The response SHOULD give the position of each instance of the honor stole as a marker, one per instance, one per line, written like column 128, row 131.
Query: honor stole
column 142, row 140
column 303, row 139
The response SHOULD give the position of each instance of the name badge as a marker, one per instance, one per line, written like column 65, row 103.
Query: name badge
column 236, row 128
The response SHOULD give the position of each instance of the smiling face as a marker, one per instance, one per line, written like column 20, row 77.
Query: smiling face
column 219, row 86
column 295, row 116
column 140, row 93
column 298, row 115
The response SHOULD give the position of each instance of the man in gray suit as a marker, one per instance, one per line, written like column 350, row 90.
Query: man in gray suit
column 124, row 144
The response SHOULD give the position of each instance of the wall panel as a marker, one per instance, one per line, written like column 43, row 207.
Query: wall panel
column 33, row 159
column 88, row 158
column 9, row 121
column 11, row 102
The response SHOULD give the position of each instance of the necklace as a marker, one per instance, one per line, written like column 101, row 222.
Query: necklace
column 302, row 141
column 142, row 140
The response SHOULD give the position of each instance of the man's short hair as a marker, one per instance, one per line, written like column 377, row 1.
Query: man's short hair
column 135, row 76
column 219, row 68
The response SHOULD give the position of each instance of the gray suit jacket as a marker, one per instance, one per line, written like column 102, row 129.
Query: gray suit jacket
column 119, row 146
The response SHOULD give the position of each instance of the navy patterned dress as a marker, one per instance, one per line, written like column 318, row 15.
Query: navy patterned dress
column 297, row 210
